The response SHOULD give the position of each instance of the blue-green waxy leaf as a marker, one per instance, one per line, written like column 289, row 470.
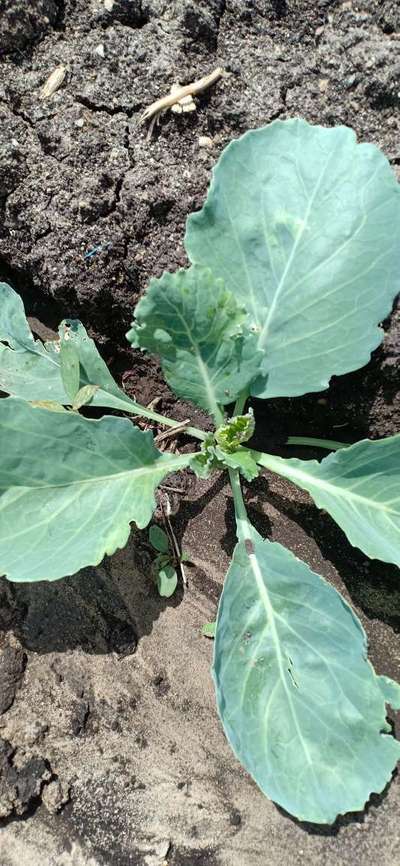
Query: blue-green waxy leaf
column 199, row 331
column 360, row 488
column 69, row 488
column 303, row 225
column 33, row 371
column 300, row 704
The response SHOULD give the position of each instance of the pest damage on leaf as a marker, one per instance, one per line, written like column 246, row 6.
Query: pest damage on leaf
column 294, row 263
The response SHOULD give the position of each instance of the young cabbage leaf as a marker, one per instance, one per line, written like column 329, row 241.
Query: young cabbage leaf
column 359, row 487
column 303, row 225
column 33, row 371
column 74, row 505
column 198, row 329
column 300, row 704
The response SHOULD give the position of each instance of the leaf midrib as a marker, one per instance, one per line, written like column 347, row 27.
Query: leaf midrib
column 311, row 480
column 179, row 462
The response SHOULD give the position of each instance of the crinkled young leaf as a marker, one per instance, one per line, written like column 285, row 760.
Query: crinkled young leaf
column 32, row 371
column 236, row 430
column 70, row 487
column 213, row 458
column 300, row 704
column 197, row 328
column 243, row 460
column 303, row 225
column 360, row 488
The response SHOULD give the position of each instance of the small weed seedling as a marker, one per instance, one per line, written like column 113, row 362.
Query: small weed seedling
column 294, row 262
column 167, row 561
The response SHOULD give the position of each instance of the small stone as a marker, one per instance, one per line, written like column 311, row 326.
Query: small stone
column 235, row 818
column 99, row 50
column 205, row 141
column 80, row 122
column 109, row 5
column 323, row 84
column 55, row 796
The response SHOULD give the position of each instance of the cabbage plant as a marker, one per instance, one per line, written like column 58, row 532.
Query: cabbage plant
column 295, row 260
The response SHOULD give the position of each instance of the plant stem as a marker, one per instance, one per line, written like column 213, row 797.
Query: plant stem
column 243, row 525
column 240, row 403
column 329, row 444
column 137, row 409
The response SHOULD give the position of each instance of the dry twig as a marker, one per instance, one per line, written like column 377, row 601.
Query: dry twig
column 172, row 431
column 166, row 511
column 153, row 111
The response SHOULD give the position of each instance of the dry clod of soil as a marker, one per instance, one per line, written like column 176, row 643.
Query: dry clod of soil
column 12, row 666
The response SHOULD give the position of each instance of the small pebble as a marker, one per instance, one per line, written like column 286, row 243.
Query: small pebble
column 80, row 122
column 205, row 141
column 99, row 50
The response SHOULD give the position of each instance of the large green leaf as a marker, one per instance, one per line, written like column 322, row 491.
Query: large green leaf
column 198, row 329
column 300, row 703
column 359, row 486
column 303, row 225
column 69, row 488
column 32, row 371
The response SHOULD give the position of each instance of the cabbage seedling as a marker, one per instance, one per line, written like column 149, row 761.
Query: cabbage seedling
column 294, row 263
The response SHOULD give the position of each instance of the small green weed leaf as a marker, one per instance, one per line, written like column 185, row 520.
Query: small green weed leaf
column 302, row 224
column 161, row 560
column 300, row 703
column 359, row 486
column 73, row 506
column 199, row 331
column 84, row 396
column 32, row 371
column 208, row 629
column 158, row 539
column 70, row 376
column 167, row 581
column 235, row 431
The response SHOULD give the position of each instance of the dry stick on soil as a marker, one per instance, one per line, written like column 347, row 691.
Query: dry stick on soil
column 166, row 510
column 154, row 110
column 173, row 431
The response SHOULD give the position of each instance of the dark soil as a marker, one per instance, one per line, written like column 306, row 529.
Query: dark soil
column 106, row 704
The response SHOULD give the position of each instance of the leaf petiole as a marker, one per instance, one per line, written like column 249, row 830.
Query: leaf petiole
column 240, row 403
column 137, row 409
column 243, row 525
column 329, row 444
